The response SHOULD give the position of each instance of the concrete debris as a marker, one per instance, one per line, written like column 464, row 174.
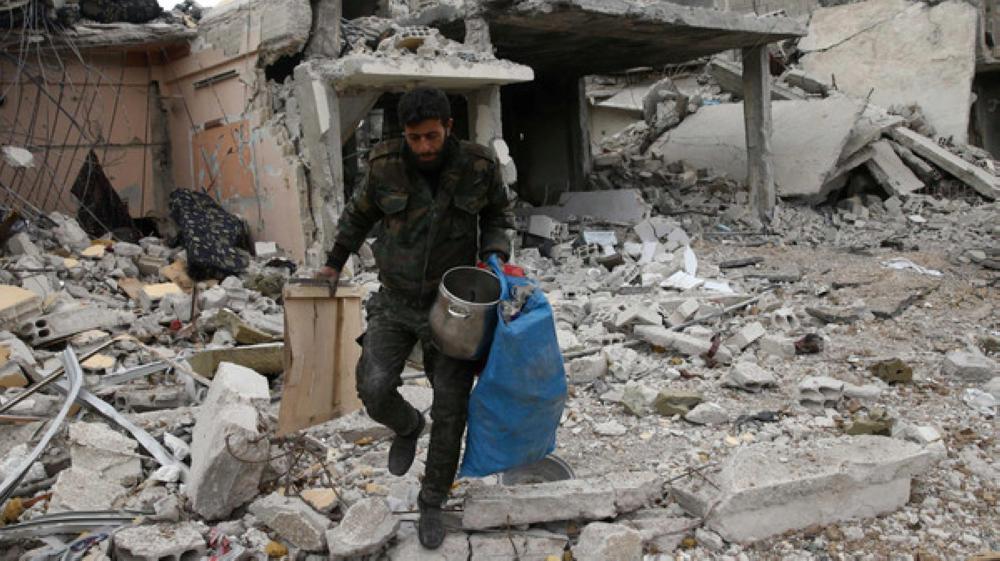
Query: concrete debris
column 292, row 519
column 78, row 488
column 676, row 402
column 180, row 540
column 600, row 541
column 985, row 183
column 367, row 526
column 18, row 157
column 590, row 499
column 110, row 455
column 766, row 489
column 969, row 366
column 625, row 207
column 820, row 393
column 707, row 414
column 750, row 377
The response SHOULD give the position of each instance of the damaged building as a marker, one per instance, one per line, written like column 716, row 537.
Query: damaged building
column 768, row 232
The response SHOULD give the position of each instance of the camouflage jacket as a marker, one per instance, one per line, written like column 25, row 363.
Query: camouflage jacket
column 421, row 236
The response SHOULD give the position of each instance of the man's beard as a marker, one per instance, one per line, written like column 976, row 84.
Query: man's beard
column 430, row 165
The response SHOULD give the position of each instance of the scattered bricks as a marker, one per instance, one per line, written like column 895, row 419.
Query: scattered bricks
column 176, row 272
column 213, row 298
column 322, row 499
column 66, row 323
column 17, row 305
column 367, row 526
column 769, row 488
column 746, row 336
column 680, row 342
column 149, row 265
column 600, row 541
column 125, row 249
column 178, row 305
column 109, row 454
column 820, row 392
column 776, row 345
column 94, row 251
column 78, row 488
column 21, row 244
column 707, row 414
column 969, row 366
column 675, row 402
column 152, row 293
column 749, row 377
column 638, row 314
column 542, row 226
column 867, row 392
column 587, row 369
column 159, row 542
column 684, row 312
column 293, row 520
column 893, row 371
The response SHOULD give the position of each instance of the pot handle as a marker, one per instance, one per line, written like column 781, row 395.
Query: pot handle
column 458, row 313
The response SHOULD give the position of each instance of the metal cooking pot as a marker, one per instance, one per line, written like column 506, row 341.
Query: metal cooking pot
column 464, row 315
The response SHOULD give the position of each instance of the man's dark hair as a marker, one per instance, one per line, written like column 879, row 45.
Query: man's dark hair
column 422, row 104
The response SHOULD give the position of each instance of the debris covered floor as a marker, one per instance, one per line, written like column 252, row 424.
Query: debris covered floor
column 817, row 381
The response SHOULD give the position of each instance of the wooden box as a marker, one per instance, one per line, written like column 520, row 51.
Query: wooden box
column 321, row 354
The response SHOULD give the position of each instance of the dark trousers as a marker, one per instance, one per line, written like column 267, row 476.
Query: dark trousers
column 395, row 325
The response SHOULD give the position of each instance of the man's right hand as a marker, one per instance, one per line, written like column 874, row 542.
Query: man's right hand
column 330, row 275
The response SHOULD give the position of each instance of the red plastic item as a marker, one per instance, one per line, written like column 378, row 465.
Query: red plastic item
column 508, row 269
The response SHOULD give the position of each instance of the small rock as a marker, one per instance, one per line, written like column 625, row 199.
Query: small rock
column 366, row 527
column 969, row 366
column 600, row 541
column 322, row 499
column 893, row 371
column 707, row 414
column 638, row 398
column 610, row 428
column 778, row 346
column 675, row 402
column 750, row 377
column 293, row 520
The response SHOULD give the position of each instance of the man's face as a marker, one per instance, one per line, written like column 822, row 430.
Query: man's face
column 426, row 141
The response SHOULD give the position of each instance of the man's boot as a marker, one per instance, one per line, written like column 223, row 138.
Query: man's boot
column 430, row 529
column 404, row 448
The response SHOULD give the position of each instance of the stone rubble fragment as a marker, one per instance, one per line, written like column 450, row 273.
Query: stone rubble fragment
column 750, row 377
column 820, row 392
column 367, row 526
column 293, row 519
column 109, row 454
column 707, row 414
column 600, row 541
column 969, row 366
column 769, row 488
column 78, row 488
column 159, row 541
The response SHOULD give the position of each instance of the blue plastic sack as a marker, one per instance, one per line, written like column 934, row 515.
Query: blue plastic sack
column 515, row 408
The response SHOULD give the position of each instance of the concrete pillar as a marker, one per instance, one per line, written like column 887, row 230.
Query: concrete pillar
column 757, row 120
column 323, row 199
column 325, row 38
column 486, row 124
column 477, row 34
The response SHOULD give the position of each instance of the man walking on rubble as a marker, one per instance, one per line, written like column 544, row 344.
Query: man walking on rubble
column 441, row 204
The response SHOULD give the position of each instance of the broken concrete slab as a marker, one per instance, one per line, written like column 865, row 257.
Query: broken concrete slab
column 292, row 519
column 267, row 358
column 746, row 336
column 600, row 541
column 969, row 366
column 513, row 547
column 367, row 526
column 660, row 528
column 715, row 138
column 729, row 76
column 769, row 488
column 897, row 52
column 890, row 171
column 624, row 207
column 683, row 343
column 233, row 384
column 110, row 454
column 78, row 488
column 577, row 499
column 181, row 540
column 17, row 305
column 21, row 244
column 227, row 460
column 60, row 325
column 985, row 183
